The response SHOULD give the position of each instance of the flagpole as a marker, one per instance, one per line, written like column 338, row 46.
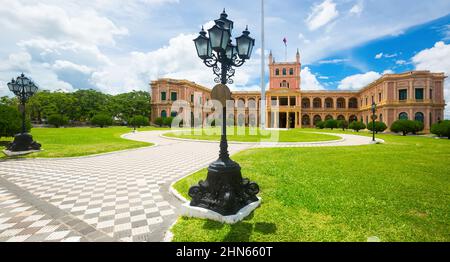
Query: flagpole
column 262, row 110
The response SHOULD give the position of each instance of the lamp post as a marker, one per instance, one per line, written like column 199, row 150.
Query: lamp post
column 224, row 191
column 374, row 117
column 23, row 88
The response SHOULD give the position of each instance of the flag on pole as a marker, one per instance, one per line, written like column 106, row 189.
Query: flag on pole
column 285, row 41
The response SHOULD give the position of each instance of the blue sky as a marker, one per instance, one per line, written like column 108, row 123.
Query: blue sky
column 117, row 46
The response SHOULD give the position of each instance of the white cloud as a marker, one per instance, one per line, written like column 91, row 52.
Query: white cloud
column 358, row 81
column 401, row 62
column 379, row 56
column 333, row 61
column 436, row 59
column 357, row 9
column 322, row 14
column 309, row 80
column 51, row 21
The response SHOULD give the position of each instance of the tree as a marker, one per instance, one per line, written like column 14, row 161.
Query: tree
column 127, row 105
column 11, row 121
column 138, row 121
column 168, row 121
column 159, row 121
column 357, row 125
column 320, row 124
column 442, row 128
column 379, row 126
column 342, row 124
column 331, row 123
column 58, row 120
column 404, row 126
column 101, row 120
column 418, row 126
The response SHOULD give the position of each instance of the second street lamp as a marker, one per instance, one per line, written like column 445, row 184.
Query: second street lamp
column 224, row 191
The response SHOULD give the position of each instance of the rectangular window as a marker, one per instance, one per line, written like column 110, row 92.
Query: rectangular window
column 419, row 94
column 273, row 100
column 291, row 71
column 379, row 97
column 292, row 101
column 192, row 98
column 173, row 96
column 283, row 101
column 402, row 94
column 163, row 96
column 431, row 94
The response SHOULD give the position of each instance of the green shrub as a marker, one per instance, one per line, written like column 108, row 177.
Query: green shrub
column 102, row 120
column 331, row 123
column 58, row 120
column 357, row 125
column 159, row 121
column 138, row 121
column 403, row 126
column 342, row 124
column 418, row 126
column 11, row 121
column 442, row 128
column 168, row 121
column 320, row 124
column 379, row 126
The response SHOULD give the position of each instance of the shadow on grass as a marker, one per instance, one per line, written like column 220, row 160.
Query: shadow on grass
column 242, row 231
column 4, row 143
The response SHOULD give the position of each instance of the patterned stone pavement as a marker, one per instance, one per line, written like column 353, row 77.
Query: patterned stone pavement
column 122, row 196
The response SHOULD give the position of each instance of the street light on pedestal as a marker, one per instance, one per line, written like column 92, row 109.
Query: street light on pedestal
column 224, row 191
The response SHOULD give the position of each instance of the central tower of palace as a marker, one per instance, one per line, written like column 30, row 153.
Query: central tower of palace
column 284, row 74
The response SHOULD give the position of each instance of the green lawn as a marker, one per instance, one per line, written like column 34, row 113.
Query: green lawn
column 70, row 142
column 397, row 191
column 292, row 135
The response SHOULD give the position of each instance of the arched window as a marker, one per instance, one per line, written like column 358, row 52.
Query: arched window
column 381, row 117
column 340, row 102
column 352, row 118
column 317, row 103
column 419, row 117
column 306, row 103
column 341, row 117
column 329, row 103
column 284, row 71
column 277, row 72
column 403, row 116
column 353, row 103
column 316, row 119
column 163, row 114
column 284, row 84
column 291, row 71
column 329, row 117
column 305, row 120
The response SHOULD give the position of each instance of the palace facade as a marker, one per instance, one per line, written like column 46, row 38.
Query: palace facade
column 415, row 95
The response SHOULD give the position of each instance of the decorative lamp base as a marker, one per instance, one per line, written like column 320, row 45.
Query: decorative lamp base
column 224, row 191
column 23, row 142
column 198, row 212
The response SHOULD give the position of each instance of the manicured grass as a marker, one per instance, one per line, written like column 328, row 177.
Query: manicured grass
column 398, row 191
column 247, row 135
column 70, row 142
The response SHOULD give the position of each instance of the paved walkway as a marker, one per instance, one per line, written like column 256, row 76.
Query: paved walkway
column 122, row 196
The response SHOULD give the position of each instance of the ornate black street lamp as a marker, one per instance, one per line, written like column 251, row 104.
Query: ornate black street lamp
column 224, row 191
column 374, row 117
column 23, row 88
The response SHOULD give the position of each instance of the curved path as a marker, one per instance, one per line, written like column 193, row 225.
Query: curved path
column 121, row 196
